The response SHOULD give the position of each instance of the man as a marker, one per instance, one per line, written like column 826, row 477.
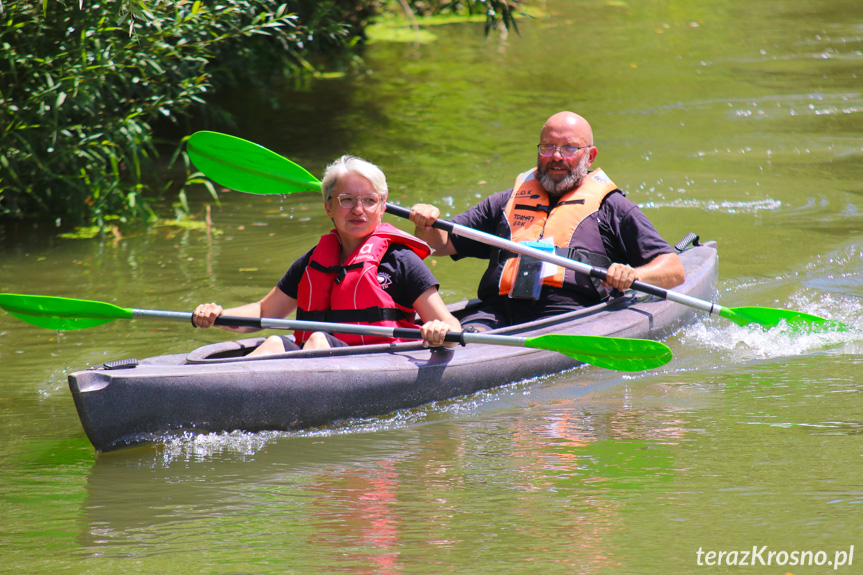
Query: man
column 581, row 212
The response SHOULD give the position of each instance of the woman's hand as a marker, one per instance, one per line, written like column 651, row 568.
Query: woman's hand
column 433, row 333
column 438, row 320
column 205, row 314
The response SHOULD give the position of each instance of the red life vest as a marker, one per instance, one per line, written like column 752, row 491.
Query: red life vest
column 349, row 291
column 572, row 223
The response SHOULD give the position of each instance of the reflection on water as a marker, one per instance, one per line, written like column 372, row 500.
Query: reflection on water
column 387, row 500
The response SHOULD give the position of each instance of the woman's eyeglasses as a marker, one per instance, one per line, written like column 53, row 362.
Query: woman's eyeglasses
column 369, row 202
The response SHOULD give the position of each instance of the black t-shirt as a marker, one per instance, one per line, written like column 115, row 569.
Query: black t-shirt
column 401, row 273
column 627, row 235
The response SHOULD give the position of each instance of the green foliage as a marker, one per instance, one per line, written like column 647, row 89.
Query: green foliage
column 83, row 84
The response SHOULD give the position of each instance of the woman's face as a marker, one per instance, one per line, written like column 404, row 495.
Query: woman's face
column 359, row 220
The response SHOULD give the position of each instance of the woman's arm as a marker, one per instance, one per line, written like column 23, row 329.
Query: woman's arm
column 436, row 318
column 275, row 304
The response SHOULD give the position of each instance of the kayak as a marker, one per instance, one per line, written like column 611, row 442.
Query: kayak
column 215, row 388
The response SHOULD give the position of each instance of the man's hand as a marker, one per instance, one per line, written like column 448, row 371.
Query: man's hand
column 424, row 215
column 620, row 276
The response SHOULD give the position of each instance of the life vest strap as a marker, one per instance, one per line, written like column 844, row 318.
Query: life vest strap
column 547, row 209
column 584, row 256
column 533, row 208
column 367, row 315
column 577, row 254
column 342, row 271
column 568, row 202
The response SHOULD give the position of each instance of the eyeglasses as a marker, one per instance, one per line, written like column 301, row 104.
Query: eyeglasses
column 548, row 150
column 369, row 202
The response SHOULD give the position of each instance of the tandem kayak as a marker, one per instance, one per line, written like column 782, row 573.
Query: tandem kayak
column 216, row 389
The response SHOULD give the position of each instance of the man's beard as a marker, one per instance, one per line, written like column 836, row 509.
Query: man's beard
column 573, row 178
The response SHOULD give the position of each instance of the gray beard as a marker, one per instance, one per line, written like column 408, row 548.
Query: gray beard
column 572, row 180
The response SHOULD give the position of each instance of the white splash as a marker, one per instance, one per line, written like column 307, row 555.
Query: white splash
column 744, row 343
column 191, row 446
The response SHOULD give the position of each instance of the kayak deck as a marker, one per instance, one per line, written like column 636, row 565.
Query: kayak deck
column 215, row 388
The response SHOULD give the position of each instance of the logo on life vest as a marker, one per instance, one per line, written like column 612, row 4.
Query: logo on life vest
column 384, row 280
column 365, row 252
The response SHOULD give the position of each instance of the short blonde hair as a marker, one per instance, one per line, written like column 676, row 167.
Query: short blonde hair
column 351, row 164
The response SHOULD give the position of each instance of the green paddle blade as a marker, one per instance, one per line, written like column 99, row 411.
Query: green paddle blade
column 770, row 317
column 622, row 354
column 247, row 167
column 61, row 313
column 61, row 323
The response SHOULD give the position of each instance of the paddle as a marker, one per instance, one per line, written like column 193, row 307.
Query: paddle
column 245, row 166
column 764, row 316
column 248, row 167
column 609, row 352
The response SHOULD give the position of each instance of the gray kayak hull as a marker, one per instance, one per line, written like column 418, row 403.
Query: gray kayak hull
column 215, row 388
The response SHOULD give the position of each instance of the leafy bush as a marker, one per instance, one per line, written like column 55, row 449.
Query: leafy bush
column 82, row 85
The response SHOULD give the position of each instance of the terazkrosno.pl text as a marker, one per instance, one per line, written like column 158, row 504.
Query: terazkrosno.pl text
column 758, row 556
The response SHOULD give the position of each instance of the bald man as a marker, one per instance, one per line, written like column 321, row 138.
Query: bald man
column 559, row 203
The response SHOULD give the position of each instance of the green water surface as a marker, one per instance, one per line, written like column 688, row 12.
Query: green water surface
column 739, row 121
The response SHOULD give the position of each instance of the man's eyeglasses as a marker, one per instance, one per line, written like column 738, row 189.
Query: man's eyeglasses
column 369, row 202
column 547, row 150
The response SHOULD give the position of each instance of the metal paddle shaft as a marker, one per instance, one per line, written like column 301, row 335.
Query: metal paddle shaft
column 69, row 314
column 768, row 317
column 623, row 354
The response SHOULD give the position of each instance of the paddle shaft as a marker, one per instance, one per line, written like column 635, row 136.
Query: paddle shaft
column 61, row 313
column 580, row 267
column 383, row 331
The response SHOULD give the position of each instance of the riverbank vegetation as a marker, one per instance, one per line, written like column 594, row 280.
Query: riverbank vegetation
column 83, row 87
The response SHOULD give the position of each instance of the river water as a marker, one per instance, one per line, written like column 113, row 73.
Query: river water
column 739, row 121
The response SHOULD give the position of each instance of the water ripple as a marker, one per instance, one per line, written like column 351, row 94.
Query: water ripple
column 725, row 206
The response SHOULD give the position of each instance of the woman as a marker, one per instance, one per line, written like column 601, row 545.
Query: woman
column 363, row 271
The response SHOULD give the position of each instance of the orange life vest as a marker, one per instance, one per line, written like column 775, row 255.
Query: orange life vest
column 572, row 223
column 349, row 291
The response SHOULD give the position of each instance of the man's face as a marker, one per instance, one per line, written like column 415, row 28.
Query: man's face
column 559, row 174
